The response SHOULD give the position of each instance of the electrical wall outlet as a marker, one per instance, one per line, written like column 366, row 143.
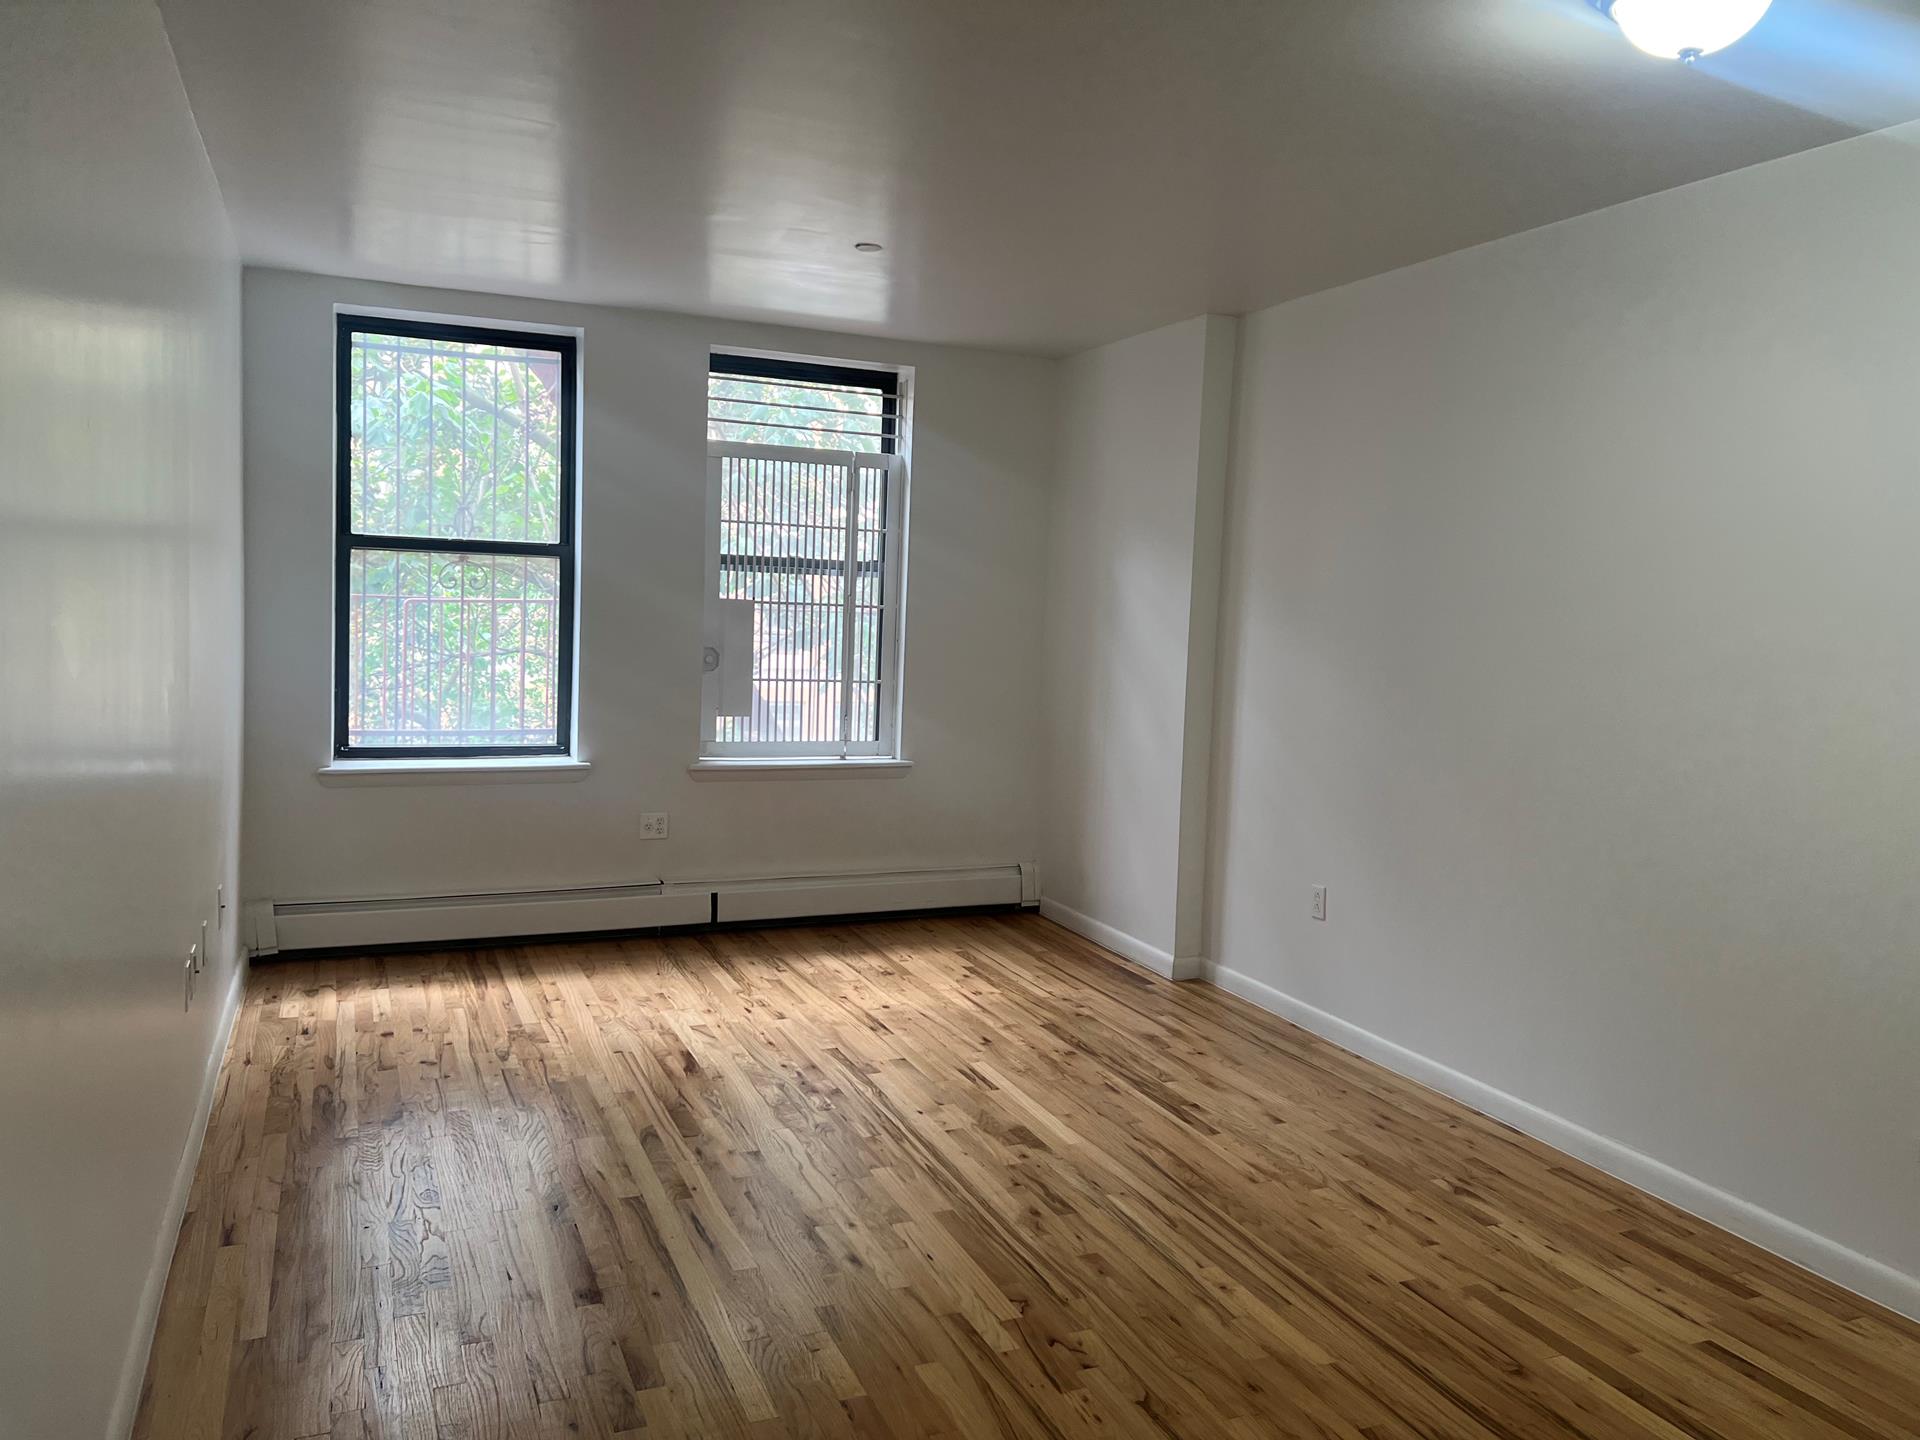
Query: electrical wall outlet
column 1319, row 902
column 653, row 826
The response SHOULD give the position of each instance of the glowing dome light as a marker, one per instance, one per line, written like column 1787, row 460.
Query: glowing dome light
column 1684, row 30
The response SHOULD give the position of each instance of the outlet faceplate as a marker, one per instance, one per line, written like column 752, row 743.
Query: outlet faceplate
column 1319, row 902
column 653, row 825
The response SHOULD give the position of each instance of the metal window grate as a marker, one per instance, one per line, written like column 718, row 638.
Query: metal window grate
column 805, row 541
column 455, row 546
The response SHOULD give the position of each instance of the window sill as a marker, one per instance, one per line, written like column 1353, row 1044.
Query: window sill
column 758, row 769
column 534, row 770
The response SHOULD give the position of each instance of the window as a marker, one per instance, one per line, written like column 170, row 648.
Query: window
column 805, row 526
column 454, row 546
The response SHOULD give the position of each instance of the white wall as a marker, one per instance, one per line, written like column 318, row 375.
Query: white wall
column 119, row 691
column 982, row 454
column 1571, row 635
column 1132, row 600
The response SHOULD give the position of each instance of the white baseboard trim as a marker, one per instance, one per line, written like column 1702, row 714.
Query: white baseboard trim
column 1186, row 967
column 133, row 1371
column 1859, row 1273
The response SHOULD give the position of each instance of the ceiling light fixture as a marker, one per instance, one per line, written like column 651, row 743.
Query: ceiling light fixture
column 1683, row 30
column 868, row 247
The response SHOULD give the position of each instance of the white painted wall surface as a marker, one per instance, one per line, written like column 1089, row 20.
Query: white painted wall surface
column 982, row 456
column 1132, row 599
column 119, row 691
column 1571, row 636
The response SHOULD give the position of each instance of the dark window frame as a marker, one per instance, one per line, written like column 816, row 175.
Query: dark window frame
column 347, row 540
column 820, row 372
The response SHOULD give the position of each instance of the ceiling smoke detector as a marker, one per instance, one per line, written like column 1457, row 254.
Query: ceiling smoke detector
column 1683, row 30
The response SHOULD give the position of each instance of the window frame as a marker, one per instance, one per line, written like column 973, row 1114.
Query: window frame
column 889, row 380
column 895, row 385
column 347, row 540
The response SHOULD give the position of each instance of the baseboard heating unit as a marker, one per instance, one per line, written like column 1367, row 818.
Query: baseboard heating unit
column 289, row 925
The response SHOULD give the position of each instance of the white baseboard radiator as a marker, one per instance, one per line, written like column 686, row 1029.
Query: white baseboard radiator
column 290, row 925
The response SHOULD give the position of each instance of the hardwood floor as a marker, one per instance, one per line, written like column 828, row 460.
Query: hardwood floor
column 959, row 1177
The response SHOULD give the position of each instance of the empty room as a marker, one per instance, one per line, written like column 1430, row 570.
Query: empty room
column 876, row 719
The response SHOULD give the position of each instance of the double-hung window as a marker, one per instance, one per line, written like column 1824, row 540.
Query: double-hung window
column 806, row 509
column 454, row 545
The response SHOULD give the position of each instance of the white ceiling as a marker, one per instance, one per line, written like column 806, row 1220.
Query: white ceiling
column 1044, row 174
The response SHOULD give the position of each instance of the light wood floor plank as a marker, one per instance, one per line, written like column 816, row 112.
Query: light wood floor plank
column 949, row 1177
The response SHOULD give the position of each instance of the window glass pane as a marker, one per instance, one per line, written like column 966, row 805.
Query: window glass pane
column 448, row 649
column 453, row 440
column 783, row 545
column 797, row 413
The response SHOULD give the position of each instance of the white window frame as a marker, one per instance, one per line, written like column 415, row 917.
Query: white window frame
column 893, row 591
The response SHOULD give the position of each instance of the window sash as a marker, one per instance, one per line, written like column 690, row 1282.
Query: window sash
column 348, row 542
column 883, row 427
column 890, row 565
